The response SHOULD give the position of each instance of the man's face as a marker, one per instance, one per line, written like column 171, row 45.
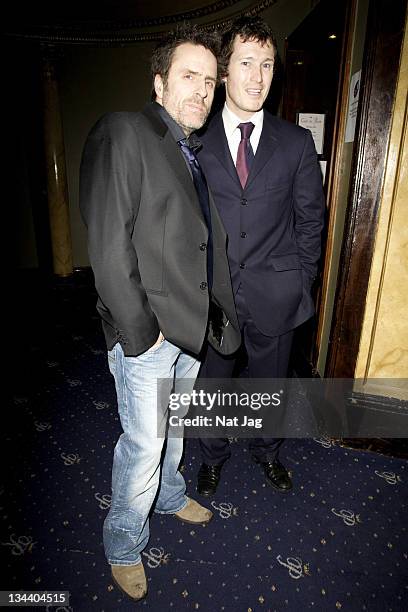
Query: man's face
column 189, row 91
column 250, row 72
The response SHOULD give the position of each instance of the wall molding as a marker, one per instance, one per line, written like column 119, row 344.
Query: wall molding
column 129, row 32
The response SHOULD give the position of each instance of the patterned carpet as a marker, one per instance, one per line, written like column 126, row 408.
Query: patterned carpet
column 338, row 541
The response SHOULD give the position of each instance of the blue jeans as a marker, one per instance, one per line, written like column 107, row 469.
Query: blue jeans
column 136, row 473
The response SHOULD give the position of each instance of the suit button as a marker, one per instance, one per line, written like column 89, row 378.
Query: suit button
column 242, row 266
column 203, row 285
column 203, row 246
column 244, row 202
column 243, row 234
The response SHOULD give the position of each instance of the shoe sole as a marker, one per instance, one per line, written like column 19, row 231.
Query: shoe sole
column 127, row 594
column 205, row 494
column 273, row 486
column 193, row 522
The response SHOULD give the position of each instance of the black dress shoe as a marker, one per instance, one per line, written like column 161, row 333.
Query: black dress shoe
column 207, row 479
column 276, row 475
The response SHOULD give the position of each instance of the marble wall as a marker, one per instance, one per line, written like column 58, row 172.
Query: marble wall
column 383, row 354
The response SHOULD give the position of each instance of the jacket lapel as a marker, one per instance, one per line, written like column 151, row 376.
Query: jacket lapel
column 266, row 148
column 175, row 158
column 215, row 142
column 178, row 165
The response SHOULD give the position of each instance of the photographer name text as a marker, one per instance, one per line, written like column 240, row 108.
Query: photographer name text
column 217, row 421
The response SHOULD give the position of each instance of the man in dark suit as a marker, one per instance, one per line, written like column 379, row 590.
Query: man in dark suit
column 158, row 251
column 266, row 182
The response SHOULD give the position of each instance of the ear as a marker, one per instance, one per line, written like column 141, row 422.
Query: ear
column 158, row 87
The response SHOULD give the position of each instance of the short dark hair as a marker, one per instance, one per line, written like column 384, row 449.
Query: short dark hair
column 247, row 28
column 185, row 33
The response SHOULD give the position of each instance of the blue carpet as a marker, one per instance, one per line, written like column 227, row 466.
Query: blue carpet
column 338, row 541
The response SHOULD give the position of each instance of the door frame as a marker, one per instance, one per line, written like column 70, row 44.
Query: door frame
column 384, row 38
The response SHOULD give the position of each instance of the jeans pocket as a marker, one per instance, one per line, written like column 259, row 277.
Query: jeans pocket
column 112, row 361
column 155, row 347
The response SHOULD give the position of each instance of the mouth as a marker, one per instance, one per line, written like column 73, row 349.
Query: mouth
column 254, row 92
column 196, row 108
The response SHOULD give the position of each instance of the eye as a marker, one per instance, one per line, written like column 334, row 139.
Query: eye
column 210, row 84
column 245, row 63
column 188, row 76
column 268, row 66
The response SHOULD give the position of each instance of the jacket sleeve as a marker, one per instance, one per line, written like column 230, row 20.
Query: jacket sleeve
column 110, row 188
column 309, row 208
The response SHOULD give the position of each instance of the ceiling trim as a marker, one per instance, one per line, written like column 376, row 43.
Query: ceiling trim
column 133, row 31
column 149, row 22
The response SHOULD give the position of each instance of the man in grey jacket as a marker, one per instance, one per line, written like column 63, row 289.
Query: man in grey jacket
column 158, row 251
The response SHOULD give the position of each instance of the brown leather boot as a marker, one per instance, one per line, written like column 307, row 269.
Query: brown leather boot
column 131, row 579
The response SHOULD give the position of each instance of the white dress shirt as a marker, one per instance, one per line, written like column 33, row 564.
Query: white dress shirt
column 233, row 133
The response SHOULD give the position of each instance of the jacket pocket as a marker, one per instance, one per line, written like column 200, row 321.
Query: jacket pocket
column 280, row 263
column 272, row 184
column 156, row 292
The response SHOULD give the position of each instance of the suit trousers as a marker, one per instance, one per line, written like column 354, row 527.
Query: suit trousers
column 267, row 357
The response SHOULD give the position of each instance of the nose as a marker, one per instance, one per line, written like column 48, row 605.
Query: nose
column 202, row 89
column 256, row 74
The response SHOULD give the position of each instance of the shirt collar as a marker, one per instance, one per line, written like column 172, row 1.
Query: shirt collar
column 231, row 121
column 176, row 131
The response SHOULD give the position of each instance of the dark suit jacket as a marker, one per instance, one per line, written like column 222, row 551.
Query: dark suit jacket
column 274, row 224
column 145, row 230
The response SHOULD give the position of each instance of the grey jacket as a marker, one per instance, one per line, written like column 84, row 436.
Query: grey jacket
column 147, row 240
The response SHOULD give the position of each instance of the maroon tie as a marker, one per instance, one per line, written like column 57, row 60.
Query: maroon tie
column 243, row 150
